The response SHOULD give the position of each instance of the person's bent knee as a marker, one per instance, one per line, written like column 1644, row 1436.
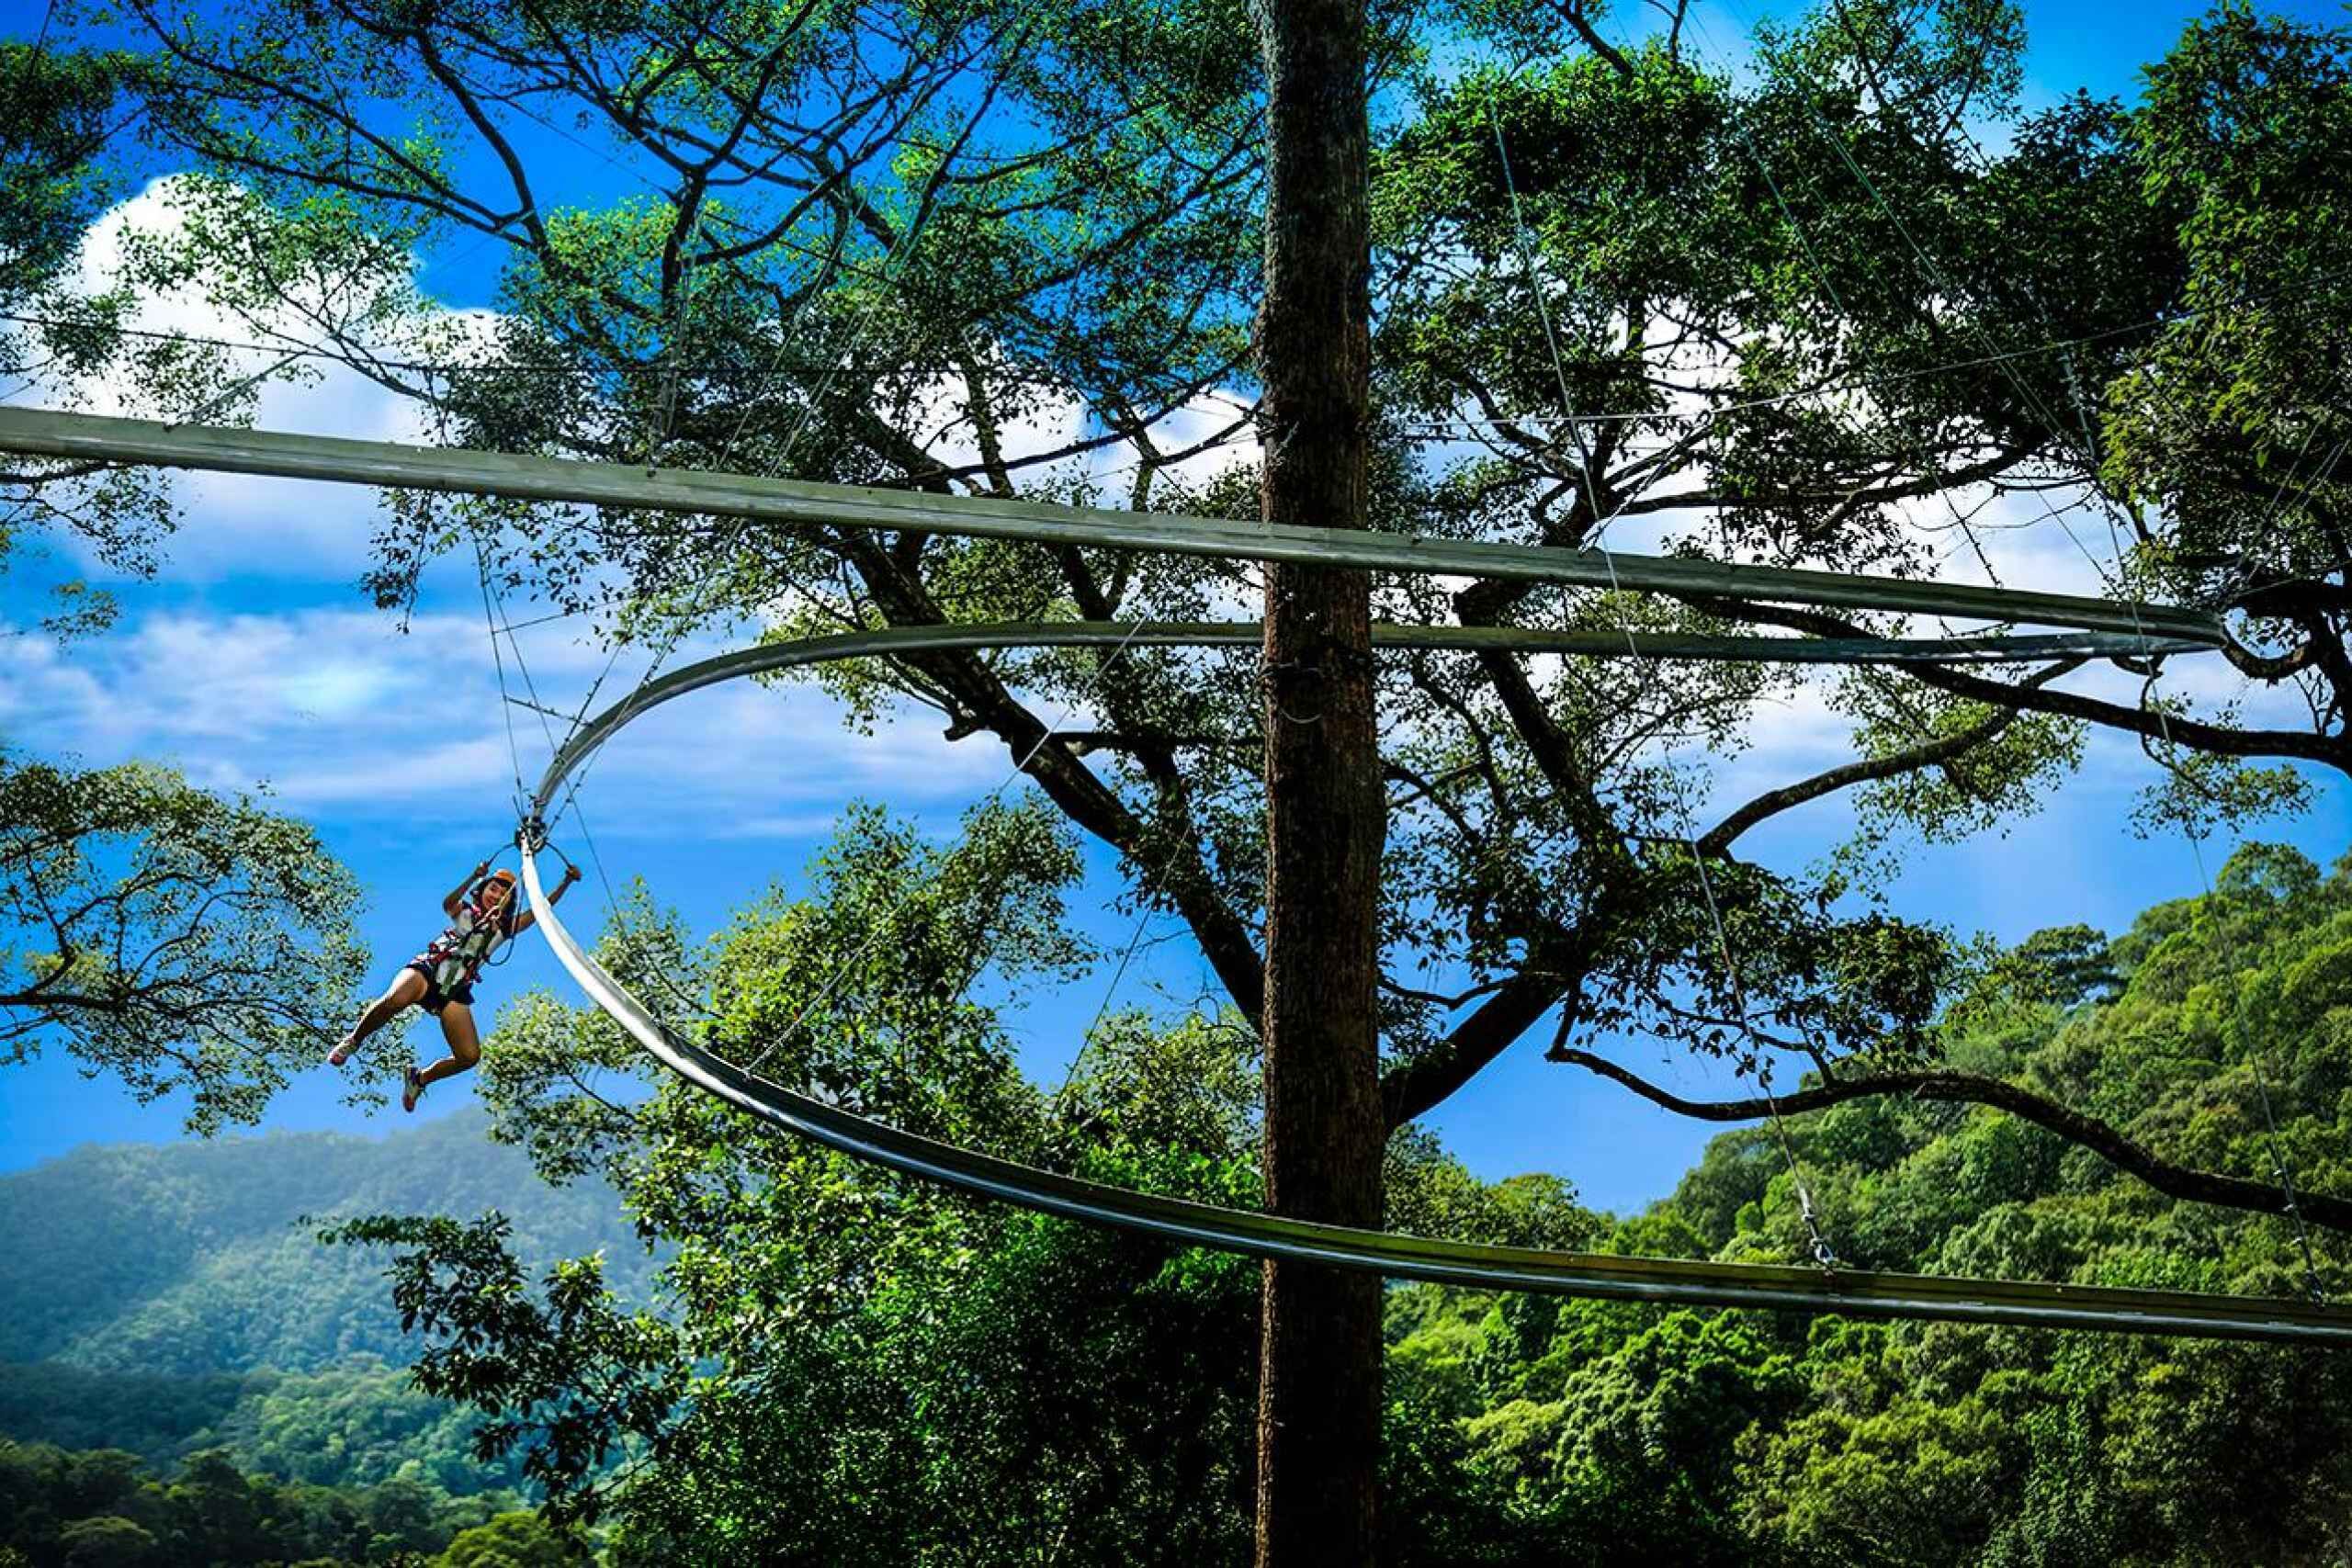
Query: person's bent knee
column 468, row 1055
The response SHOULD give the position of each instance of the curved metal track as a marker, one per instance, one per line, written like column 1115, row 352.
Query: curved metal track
column 1855, row 1294
column 2114, row 628
column 770, row 657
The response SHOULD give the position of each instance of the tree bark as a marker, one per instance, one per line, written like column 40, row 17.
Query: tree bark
column 1319, row 1354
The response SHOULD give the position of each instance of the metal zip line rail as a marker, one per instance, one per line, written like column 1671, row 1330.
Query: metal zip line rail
column 1780, row 1288
column 769, row 657
column 93, row 437
column 2114, row 628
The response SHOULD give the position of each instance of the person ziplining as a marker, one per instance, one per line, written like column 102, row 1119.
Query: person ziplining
column 483, row 918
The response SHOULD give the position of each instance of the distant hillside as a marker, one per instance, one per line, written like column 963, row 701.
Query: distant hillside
column 167, row 1298
column 188, row 1259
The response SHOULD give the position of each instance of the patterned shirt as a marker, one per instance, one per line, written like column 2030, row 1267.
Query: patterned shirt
column 456, row 955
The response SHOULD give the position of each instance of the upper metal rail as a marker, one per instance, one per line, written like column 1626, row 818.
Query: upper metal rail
column 93, row 437
column 2136, row 628
column 770, row 657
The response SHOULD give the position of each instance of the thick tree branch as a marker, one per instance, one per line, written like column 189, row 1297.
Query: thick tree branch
column 1415, row 1088
column 1073, row 788
column 2088, row 1132
column 1928, row 754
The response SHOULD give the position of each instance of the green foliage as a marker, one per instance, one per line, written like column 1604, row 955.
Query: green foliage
column 860, row 1368
column 856, row 1367
column 1742, row 1438
column 2231, row 421
column 937, row 1380
column 510, row 1540
column 460, row 1282
column 190, row 1260
column 54, row 126
column 178, row 941
column 104, row 1509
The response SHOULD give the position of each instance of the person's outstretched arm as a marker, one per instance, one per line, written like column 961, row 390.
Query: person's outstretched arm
column 457, row 893
column 570, row 875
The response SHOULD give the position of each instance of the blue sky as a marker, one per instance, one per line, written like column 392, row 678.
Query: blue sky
column 257, row 657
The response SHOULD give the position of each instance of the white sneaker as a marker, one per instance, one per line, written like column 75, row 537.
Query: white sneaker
column 412, row 1091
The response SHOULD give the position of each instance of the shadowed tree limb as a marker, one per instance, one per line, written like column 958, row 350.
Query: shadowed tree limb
column 1717, row 841
column 2088, row 1132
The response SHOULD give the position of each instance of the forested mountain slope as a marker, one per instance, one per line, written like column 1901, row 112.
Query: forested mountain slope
column 189, row 1257
column 167, row 1298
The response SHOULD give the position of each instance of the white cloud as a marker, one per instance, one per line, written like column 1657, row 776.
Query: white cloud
column 342, row 713
column 236, row 525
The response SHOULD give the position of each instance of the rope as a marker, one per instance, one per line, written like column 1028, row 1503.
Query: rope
column 498, row 661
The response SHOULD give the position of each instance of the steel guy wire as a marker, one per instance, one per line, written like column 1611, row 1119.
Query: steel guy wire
column 2050, row 418
column 2050, row 511
column 500, row 625
column 1102, row 669
column 498, row 658
column 783, row 337
column 2283, row 1172
column 1823, row 1253
column 1927, row 264
column 909, row 236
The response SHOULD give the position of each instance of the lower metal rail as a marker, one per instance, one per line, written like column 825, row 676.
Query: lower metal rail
column 1859, row 1294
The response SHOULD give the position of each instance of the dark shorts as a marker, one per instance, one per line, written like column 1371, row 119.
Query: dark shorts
column 435, row 999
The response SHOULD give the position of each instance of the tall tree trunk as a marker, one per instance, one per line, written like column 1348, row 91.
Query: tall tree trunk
column 1319, row 1357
